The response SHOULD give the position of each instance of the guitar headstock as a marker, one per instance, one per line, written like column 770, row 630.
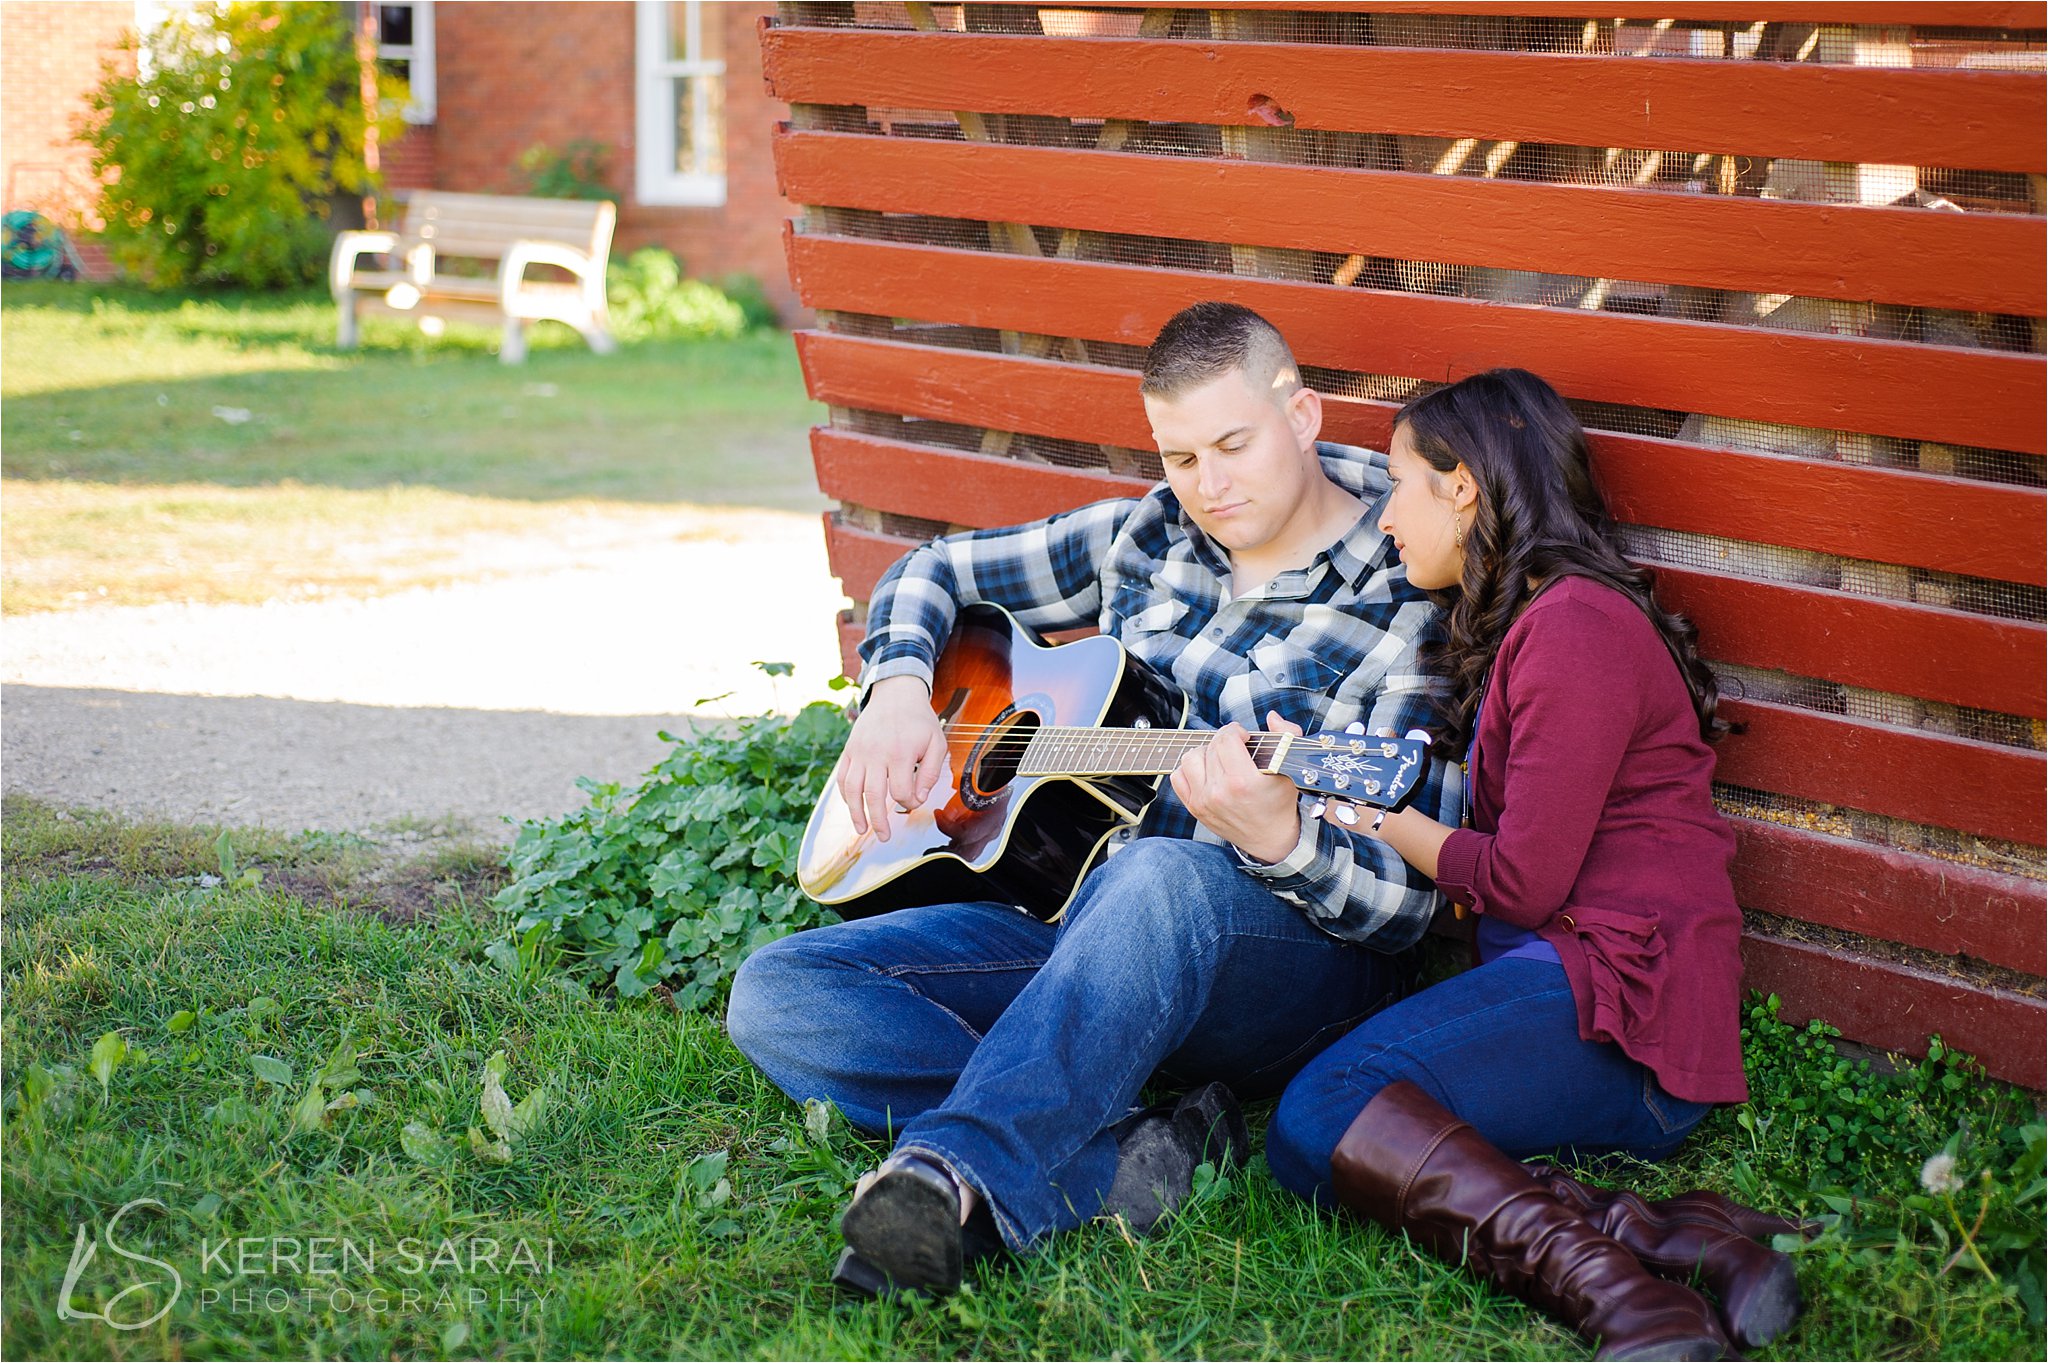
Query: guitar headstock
column 1372, row 771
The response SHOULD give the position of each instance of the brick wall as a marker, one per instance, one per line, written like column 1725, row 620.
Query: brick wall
column 410, row 162
column 51, row 60
column 510, row 76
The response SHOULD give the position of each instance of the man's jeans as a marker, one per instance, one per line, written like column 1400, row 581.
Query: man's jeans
column 1006, row 1046
column 1498, row 1046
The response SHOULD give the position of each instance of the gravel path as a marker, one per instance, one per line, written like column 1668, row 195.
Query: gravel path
column 463, row 708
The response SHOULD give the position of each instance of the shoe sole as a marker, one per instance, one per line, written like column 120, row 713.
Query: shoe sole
column 907, row 1227
column 1765, row 1308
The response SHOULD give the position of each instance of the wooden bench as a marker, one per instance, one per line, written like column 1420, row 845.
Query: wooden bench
column 570, row 235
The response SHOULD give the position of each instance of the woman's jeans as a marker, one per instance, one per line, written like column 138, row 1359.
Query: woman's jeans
column 1007, row 1046
column 1498, row 1046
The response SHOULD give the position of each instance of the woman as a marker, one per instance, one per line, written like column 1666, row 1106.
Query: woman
column 1602, row 1016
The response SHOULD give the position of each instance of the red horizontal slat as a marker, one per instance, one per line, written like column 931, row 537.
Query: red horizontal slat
column 860, row 557
column 1952, row 525
column 1891, row 516
column 951, row 485
column 1897, row 1007
column 1984, row 120
column 1957, row 783
column 1966, row 397
column 1976, row 787
column 1914, row 650
column 1940, row 906
column 1860, row 641
column 1983, row 262
column 1933, row 13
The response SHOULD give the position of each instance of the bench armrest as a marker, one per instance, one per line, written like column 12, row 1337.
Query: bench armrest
column 351, row 246
column 587, row 268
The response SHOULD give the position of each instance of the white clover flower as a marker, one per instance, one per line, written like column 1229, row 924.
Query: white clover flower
column 1939, row 1174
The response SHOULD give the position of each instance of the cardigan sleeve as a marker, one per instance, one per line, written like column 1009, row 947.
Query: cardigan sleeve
column 1573, row 686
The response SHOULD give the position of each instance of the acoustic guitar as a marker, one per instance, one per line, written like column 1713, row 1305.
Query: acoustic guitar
column 1052, row 749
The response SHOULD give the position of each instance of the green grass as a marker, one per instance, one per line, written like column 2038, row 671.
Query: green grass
column 124, row 483
column 107, row 931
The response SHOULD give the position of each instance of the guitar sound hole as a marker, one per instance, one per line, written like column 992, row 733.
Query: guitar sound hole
column 993, row 764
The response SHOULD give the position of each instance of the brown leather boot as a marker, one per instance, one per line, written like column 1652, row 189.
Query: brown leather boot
column 1696, row 1235
column 1413, row 1167
column 1757, row 1225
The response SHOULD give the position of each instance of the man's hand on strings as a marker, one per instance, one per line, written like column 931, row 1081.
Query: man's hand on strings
column 1226, row 791
column 894, row 756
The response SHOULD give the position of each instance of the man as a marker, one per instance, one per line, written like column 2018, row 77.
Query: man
column 1230, row 940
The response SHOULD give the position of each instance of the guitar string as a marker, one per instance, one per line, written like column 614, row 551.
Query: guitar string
column 1153, row 736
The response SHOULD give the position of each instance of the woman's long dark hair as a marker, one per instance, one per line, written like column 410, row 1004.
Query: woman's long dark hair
column 1539, row 518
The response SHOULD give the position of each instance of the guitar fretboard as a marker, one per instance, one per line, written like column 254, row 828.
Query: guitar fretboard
column 1123, row 752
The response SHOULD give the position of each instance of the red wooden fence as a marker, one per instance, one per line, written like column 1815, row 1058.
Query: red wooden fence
column 1788, row 259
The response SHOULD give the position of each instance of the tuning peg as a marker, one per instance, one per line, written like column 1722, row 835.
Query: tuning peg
column 1355, row 727
column 1347, row 813
column 1420, row 736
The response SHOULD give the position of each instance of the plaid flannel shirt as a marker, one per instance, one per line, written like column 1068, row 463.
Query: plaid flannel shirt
column 1327, row 645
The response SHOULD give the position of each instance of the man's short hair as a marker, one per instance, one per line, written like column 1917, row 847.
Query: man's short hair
column 1207, row 340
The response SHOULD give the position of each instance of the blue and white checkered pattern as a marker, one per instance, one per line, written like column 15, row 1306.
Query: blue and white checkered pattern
column 1328, row 645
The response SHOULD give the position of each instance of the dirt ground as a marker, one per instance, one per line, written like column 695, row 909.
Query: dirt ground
column 451, row 712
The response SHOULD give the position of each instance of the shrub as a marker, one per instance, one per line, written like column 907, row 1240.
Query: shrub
column 745, row 290
column 579, row 169
column 223, row 154
column 676, row 880
column 651, row 300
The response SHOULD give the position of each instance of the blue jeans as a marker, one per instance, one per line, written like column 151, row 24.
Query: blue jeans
column 1498, row 1046
column 1007, row 1046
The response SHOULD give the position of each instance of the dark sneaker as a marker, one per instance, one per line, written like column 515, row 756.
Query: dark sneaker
column 1159, row 1149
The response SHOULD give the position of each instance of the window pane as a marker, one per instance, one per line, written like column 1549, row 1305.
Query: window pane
column 398, row 67
column 710, row 34
column 679, row 31
column 394, row 25
column 700, row 125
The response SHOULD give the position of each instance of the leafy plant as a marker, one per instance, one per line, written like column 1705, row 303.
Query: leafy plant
column 676, row 880
column 578, row 169
column 745, row 290
column 1934, row 1150
column 652, row 300
column 220, row 156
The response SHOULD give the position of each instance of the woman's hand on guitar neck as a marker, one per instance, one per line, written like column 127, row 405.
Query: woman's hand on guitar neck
column 1222, row 787
column 894, row 756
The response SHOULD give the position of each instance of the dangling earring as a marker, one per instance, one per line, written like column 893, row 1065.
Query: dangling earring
column 1457, row 530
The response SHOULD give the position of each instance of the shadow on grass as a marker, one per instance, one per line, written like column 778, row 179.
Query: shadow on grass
column 123, row 386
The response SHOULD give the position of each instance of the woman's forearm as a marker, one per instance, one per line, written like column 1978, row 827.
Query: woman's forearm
column 1416, row 836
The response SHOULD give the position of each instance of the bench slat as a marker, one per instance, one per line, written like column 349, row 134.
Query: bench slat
column 487, row 225
column 1889, row 515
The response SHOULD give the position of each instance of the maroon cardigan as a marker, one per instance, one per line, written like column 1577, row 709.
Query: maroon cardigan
column 1593, row 824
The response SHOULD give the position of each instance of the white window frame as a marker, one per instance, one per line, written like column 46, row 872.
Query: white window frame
column 656, row 179
column 419, row 56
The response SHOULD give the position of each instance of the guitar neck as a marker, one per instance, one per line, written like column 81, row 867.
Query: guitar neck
column 1126, row 752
